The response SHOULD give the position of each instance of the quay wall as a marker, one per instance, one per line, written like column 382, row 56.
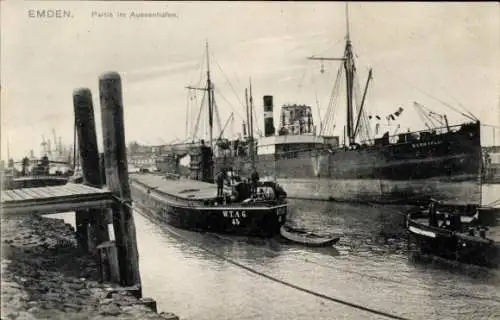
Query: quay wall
column 46, row 276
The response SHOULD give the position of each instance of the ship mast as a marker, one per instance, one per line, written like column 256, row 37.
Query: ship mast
column 350, row 69
column 251, row 142
column 75, row 141
column 8, row 148
column 210, row 100
column 209, row 90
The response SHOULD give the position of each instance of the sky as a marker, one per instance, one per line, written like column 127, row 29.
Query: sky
column 432, row 53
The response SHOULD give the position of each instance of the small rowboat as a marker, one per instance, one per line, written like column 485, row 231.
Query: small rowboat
column 307, row 238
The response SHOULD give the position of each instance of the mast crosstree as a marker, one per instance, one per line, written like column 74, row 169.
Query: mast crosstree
column 350, row 69
column 209, row 89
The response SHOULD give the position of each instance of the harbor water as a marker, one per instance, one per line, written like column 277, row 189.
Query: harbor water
column 200, row 276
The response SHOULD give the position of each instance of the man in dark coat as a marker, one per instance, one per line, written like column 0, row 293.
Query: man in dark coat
column 254, row 178
column 219, row 179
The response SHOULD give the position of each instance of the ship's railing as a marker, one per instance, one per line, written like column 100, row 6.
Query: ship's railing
column 40, row 177
column 32, row 174
column 394, row 139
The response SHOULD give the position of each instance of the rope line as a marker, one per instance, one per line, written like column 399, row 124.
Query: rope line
column 334, row 267
column 285, row 283
column 420, row 286
column 494, row 202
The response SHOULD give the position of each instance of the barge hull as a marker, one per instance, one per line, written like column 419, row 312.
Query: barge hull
column 238, row 219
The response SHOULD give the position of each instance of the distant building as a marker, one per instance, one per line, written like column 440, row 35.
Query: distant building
column 142, row 156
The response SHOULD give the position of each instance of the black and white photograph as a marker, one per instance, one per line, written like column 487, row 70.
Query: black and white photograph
column 203, row 160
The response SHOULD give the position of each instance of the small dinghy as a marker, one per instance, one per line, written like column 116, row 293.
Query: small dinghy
column 307, row 238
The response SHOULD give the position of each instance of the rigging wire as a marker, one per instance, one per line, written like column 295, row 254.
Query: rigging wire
column 188, row 107
column 332, row 104
column 494, row 202
column 193, row 96
column 470, row 115
column 217, row 116
column 423, row 117
column 202, row 71
column 229, row 83
column 331, row 46
column 256, row 119
column 318, row 107
column 364, row 130
column 424, row 112
column 193, row 114
column 237, row 97
column 197, row 124
column 229, row 103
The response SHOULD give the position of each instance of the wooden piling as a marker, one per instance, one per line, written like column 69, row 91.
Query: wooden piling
column 108, row 259
column 103, row 168
column 81, row 223
column 115, row 160
column 89, row 155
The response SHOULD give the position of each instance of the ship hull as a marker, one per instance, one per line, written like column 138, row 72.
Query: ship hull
column 452, row 246
column 445, row 166
column 381, row 191
column 253, row 219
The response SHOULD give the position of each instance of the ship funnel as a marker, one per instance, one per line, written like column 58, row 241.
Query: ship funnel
column 268, row 116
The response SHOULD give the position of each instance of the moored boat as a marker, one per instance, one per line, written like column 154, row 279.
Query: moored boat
column 194, row 205
column 464, row 233
column 307, row 238
column 36, row 173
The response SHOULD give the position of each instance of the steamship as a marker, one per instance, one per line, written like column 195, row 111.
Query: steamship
column 443, row 161
column 444, row 164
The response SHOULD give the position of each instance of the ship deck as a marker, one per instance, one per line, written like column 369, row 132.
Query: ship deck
column 493, row 232
column 182, row 188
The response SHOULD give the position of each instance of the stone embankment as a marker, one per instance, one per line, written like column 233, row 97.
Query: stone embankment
column 45, row 276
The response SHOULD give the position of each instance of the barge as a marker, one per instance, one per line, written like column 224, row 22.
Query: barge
column 194, row 205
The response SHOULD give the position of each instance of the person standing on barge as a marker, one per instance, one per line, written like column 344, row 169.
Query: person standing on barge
column 254, row 178
column 221, row 176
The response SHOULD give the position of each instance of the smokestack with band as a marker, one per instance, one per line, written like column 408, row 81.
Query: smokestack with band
column 268, row 116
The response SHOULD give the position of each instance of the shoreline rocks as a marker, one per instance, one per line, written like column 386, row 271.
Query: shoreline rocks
column 46, row 276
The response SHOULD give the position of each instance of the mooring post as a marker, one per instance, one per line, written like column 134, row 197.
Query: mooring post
column 89, row 155
column 115, row 159
column 102, row 165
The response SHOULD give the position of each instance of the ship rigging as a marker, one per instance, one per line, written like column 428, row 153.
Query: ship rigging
column 359, row 125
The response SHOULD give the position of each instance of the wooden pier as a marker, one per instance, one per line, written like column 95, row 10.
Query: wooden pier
column 92, row 201
column 56, row 199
